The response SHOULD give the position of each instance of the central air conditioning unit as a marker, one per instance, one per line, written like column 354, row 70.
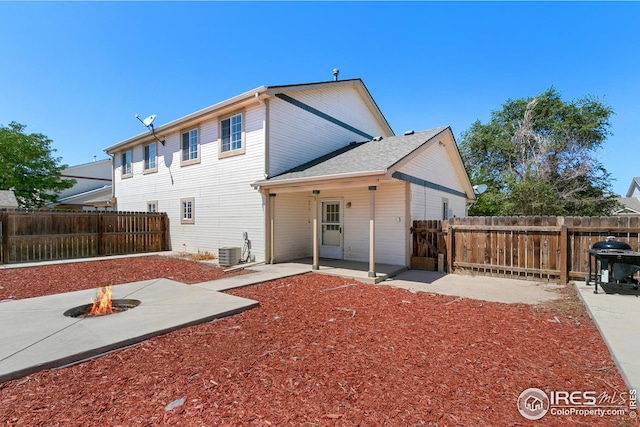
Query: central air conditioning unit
column 228, row 257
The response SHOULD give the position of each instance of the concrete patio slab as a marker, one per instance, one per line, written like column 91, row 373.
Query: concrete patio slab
column 617, row 315
column 352, row 269
column 476, row 287
column 36, row 335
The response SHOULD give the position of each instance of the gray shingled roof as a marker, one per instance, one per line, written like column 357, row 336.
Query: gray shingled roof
column 632, row 203
column 370, row 156
column 8, row 199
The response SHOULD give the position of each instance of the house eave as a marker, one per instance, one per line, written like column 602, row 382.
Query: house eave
column 319, row 180
column 255, row 95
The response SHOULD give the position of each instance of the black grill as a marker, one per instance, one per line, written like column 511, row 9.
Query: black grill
column 615, row 262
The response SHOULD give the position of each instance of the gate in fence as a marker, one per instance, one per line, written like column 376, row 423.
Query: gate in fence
column 550, row 248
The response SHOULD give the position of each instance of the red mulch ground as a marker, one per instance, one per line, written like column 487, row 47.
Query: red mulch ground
column 318, row 353
column 32, row 282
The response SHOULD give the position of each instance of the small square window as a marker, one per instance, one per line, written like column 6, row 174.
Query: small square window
column 150, row 157
column 126, row 163
column 187, row 211
column 152, row 206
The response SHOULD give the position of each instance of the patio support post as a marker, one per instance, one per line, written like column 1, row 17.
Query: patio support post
column 372, row 231
column 272, row 227
column 315, row 265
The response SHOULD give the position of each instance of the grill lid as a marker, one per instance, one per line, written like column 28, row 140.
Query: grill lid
column 610, row 243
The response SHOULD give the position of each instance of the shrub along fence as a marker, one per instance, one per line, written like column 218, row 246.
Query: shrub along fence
column 553, row 248
column 29, row 236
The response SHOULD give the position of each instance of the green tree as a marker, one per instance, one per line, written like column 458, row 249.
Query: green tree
column 538, row 156
column 28, row 167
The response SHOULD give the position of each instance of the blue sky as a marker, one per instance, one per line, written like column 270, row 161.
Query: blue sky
column 78, row 72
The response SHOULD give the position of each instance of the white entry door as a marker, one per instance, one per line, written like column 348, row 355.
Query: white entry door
column 331, row 229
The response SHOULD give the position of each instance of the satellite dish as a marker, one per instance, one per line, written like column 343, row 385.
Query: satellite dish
column 479, row 189
column 149, row 120
column 148, row 123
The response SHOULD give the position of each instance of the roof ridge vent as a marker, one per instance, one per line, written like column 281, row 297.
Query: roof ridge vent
column 377, row 138
column 409, row 132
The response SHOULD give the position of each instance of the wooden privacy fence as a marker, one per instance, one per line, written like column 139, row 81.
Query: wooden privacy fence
column 553, row 248
column 29, row 236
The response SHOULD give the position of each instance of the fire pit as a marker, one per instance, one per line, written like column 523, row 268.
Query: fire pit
column 615, row 261
column 102, row 305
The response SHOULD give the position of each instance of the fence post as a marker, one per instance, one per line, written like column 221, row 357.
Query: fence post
column 4, row 253
column 450, row 239
column 166, row 240
column 564, row 255
column 100, row 228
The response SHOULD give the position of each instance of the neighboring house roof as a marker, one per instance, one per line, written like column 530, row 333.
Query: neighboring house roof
column 89, row 177
column 635, row 183
column 101, row 194
column 631, row 206
column 8, row 199
column 378, row 157
column 260, row 93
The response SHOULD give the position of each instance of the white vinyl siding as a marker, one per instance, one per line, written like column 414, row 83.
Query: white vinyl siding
column 298, row 136
column 293, row 225
column 434, row 165
column 226, row 205
column 294, row 219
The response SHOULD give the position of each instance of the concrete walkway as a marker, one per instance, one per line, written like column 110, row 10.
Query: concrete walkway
column 42, row 337
column 617, row 316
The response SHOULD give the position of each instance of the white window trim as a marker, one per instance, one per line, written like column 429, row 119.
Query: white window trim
column 152, row 203
column 123, row 172
column 192, row 219
column 197, row 159
column 243, row 140
column 155, row 162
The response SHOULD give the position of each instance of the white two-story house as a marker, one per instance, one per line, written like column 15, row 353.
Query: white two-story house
column 309, row 170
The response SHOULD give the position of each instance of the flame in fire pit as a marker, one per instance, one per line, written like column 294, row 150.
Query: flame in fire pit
column 102, row 304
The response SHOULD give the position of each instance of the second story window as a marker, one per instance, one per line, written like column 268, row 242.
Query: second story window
column 126, row 163
column 231, row 132
column 150, row 157
column 190, row 146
